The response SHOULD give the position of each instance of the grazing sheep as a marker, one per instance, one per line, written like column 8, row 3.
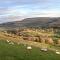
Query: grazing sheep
column 11, row 43
column 57, row 52
column 44, row 49
column 29, row 48
column 8, row 41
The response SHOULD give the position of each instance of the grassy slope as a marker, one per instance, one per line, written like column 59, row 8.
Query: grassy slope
column 19, row 52
column 19, row 39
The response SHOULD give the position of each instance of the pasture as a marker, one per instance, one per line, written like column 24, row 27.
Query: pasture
column 20, row 52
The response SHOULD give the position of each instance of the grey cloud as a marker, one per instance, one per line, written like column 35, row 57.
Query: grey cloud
column 3, row 11
column 23, row 1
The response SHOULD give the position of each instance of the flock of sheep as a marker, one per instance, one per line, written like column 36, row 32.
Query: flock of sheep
column 30, row 47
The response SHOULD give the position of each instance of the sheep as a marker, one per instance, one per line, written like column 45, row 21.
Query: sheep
column 11, row 43
column 57, row 52
column 44, row 49
column 8, row 41
column 29, row 48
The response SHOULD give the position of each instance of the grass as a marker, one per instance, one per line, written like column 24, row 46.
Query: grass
column 19, row 52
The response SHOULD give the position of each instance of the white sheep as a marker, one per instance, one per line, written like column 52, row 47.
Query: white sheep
column 29, row 47
column 43, row 49
column 57, row 52
column 11, row 43
column 8, row 41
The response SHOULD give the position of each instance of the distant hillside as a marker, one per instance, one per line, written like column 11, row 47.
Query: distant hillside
column 32, row 22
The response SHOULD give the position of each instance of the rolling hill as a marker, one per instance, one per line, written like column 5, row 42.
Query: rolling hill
column 33, row 22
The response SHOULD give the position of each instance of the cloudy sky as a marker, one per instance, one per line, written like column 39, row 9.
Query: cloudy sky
column 11, row 10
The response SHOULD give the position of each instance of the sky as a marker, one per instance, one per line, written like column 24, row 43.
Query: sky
column 12, row 10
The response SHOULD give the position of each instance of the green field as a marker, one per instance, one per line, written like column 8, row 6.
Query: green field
column 19, row 52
